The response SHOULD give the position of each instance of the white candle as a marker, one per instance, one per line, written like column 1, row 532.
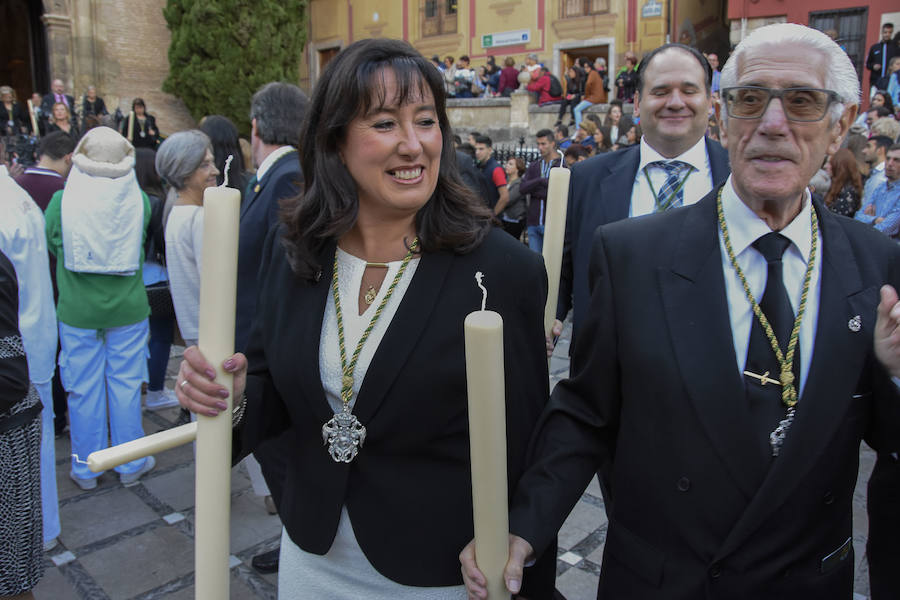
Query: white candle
column 487, row 442
column 131, row 126
column 34, row 128
column 218, row 300
column 554, row 236
column 145, row 446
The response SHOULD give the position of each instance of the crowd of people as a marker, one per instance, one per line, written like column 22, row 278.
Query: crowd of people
column 58, row 110
column 357, row 251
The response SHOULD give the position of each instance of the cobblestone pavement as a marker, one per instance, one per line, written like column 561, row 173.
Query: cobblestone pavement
column 136, row 543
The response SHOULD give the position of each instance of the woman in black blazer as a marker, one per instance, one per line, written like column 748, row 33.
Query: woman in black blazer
column 144, row 134
column 13, row 116
column 384, row 222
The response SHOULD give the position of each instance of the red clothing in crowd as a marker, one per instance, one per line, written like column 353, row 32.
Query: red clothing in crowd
column 542, row 85
column 509, row 80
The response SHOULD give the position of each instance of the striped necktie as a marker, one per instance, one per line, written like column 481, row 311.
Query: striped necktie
column 671, row 193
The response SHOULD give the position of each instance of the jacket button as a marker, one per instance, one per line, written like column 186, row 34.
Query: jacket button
column 715, row 571
column 828, row 498
column 684, row 484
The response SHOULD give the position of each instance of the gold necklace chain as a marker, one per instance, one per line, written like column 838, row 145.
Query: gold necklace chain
column 347, row 369
column 788, row 386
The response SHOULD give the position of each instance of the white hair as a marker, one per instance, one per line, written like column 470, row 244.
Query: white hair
column 840, row 75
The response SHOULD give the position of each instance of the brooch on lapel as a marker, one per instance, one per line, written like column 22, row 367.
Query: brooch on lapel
column 855, row 324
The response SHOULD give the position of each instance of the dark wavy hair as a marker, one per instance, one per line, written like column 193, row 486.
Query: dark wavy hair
column 453, row 219
column 224, row 137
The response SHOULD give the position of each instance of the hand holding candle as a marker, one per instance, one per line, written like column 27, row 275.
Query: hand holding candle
column 487, row 439
column 218, row 304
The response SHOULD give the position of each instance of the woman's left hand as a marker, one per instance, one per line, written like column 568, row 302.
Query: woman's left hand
column 196, row 388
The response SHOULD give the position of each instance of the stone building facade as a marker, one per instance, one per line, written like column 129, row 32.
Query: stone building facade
column 119, row 47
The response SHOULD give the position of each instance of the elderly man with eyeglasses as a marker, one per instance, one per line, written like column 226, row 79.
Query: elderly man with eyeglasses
column 735, row 353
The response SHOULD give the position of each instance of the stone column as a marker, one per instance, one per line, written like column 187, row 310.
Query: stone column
column 59, row 47
column 518, row 109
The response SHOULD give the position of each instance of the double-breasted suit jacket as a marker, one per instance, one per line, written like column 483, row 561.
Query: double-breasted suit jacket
column 408, row 492
column 696, row 510
column 600, row 193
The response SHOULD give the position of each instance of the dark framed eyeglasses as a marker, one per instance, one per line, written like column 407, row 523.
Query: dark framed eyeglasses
column 800, row 104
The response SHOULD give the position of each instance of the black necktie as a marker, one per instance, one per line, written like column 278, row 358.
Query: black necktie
column 766, row 407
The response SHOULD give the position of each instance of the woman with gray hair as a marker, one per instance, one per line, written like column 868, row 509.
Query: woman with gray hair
column 185, row 162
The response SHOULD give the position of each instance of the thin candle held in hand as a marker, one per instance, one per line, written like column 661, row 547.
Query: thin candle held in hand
column 485, row 380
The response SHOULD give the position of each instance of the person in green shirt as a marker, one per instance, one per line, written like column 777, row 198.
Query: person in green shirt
column 96, row 227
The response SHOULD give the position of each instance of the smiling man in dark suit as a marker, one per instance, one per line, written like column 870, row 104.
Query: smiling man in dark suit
column 276, row 111
column 734, row 354
column 674, row 165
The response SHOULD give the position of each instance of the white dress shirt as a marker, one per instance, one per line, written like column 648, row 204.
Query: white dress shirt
column 24, row 242
column 744, row 227
column 271, row 159
column 698, row 183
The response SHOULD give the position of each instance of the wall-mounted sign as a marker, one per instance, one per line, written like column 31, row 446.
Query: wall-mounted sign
column 506, row 38
column 653, row 8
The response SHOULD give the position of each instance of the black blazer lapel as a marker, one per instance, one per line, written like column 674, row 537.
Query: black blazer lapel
column 615, row 189
column 406, row 328
column 832, row 377
column 260, row 187
column 696, row 307
column 718, row 162
column 313, row 297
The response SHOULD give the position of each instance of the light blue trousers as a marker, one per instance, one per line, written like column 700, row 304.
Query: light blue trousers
column 49, row 497
column 579, row 109
column 102, row 370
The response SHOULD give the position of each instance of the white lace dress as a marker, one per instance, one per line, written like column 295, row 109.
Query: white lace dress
column 345, row 572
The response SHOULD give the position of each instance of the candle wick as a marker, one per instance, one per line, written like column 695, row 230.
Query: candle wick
column 227, row 168
column 562, row 159
column 78, row 460
column 479, row 276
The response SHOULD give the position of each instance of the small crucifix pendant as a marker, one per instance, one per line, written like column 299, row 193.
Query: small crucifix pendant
column 763, row 379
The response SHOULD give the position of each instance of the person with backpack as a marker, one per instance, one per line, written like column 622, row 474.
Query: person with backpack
column 547, row 86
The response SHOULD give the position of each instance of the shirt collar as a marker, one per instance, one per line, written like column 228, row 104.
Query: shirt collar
column 271, row 159
column 42, row 171
column 4, row 172
column 878, row 168
column 744, row 226
column 694, row 156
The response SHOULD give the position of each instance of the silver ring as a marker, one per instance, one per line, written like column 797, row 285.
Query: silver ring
column 184, row 383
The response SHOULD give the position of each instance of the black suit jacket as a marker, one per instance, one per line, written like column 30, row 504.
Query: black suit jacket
column 49, row 100
column 600, row 193
column 697, row 512
column 408, row 492
column 879, row 52
column 259, row 215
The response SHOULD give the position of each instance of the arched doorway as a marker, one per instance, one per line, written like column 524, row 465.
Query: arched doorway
column 23, row 48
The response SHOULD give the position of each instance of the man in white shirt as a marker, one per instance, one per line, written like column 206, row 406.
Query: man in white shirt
column 674, row 165
column 23, row 241
column 730, row 479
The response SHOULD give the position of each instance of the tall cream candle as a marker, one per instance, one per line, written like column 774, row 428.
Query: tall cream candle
column 218, row 300
column 131, row 126
column 34, row 127
column 554, row 236
column 487, row 442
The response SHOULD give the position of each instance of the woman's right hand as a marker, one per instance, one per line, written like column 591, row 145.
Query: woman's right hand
column 196, row 388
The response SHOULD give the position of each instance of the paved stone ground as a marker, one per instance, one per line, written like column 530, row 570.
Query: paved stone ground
column 137, row 543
